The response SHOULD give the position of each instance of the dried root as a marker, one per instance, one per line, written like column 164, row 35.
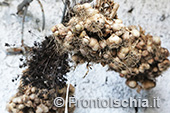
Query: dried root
column 97, row 35
column 43, row 81
column 22, row 8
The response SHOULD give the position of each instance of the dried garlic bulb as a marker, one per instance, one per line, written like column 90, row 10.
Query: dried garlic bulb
column 102, row 38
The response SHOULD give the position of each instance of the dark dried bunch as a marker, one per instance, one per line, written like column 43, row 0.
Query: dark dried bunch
column 97, row 35
column 43, row 81
column 47, row 66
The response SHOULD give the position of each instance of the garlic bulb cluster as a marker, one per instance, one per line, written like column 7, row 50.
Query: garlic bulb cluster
column 36, row 100
column 95, row 34
column 43, row 81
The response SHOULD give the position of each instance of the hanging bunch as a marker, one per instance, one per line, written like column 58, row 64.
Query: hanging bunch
column 43, row 81
column 96, row 34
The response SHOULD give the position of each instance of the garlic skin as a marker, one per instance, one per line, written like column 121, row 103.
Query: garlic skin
column 135, row 70
column 87, row 6
column 29, row 103
column 91, row 12
column 125, row 72
column 9, row 107
column 114, row 41
column 95, row 23
column 145, row 53
column 98, row 18
column 113, row 12
column 71, row 89
column 43, row 108
column 60, row 27
column 32, row 96
column 103, row 44
column 94, row 44
column 116, row 26
column 39, row 110
column 86, row 40
column 17, row 100
column 106, row 56
column 113, row 66
column 124, row 50
column 77, row 8
column 56, row 33
column 82, row 34
column 96, row 47
column 87, row 24
column 25, row 98
column 121, row 55
column 165, row 52
column 144, row 67
column 135, row 33
column 156, row 40
column 141, row 44
column 15, row 110
column 33, row 89
column 150, row 42
column 84, row 52
column 151, row 61
column 37, row 101
column 126, row 36
column 53, row 29
column 148, row 84
column 73, row 20
column 131, row 83
column 69, row 37
column 75, row 58
column 149, row 49
column 118, row 21
column 163, row 66
column 108, row 22
column 21, row 106
column 79, row 27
